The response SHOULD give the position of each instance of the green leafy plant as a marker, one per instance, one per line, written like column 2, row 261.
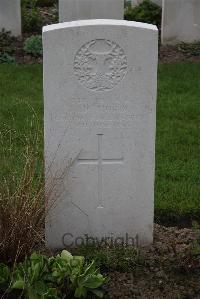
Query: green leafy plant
column 4, row 276
column 114, row 258
column 46, row 3
column 31, row 18
column 33, row 45
column 83, row 277
column 6, row 47
column 195, row 247
column 190, row 49
column 40, row 3
column 6, row 58
column 127, row 3
column 195, row 225
column 6, row 42
column 87, row 279
column 60, row 267
column 146, row 12
column 29, row 276
column 40, row 277
column 28, row 3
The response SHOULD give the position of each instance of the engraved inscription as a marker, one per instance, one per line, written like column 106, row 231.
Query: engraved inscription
column 100, row 64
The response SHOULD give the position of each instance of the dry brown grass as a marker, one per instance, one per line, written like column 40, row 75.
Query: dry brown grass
column 23, row 196
column 22, row 211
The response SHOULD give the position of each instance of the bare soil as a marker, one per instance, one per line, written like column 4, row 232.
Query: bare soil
column 171, row 270
column 171, row 54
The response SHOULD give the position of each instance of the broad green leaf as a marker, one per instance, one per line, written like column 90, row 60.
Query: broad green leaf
column 93, row 281
column 66, row 255
column 80, row 292
column 31, row 292
column 89, row 269
column 4, row 274
column 19, row 284
column 98, row 293
column 80, row 259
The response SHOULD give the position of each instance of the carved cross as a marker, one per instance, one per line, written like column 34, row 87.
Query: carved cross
column 100, row 161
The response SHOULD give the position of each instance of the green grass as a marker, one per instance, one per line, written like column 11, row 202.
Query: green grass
column 177, row 187
column 112, row 258
column 21, row 116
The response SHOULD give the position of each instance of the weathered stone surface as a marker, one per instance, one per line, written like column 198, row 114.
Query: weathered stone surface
column 70, row 10
column 100, row 80
column 158, row 2
column 10, row 16
column 180, row 21
column 136, row 2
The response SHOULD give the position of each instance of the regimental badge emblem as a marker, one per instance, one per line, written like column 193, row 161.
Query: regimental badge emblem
column 100, row 64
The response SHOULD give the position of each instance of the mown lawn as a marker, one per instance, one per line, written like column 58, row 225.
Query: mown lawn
column 21, row 116
column 177, row 187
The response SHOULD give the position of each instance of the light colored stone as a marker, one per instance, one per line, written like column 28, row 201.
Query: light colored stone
column 137, row 2
column 100, row 81
column 158, row 2
column 70, row 10
column 10, row 16
column 180, row 21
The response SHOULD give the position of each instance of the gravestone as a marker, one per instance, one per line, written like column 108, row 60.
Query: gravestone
column 100, row 81
column 158, row 2
column 137, row 2
column 70, row 10
column 180, row 21
column 10, row 16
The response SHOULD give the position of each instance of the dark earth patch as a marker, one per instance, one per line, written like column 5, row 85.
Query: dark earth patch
column 169, row 269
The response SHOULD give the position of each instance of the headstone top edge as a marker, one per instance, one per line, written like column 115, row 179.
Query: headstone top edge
column 96, row 22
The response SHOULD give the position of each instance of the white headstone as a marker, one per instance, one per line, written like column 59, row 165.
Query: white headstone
column 158, row 2
column 10, row 16
column 100, row 80
column 137, row 2
column 180, row 21
column 70, row 10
